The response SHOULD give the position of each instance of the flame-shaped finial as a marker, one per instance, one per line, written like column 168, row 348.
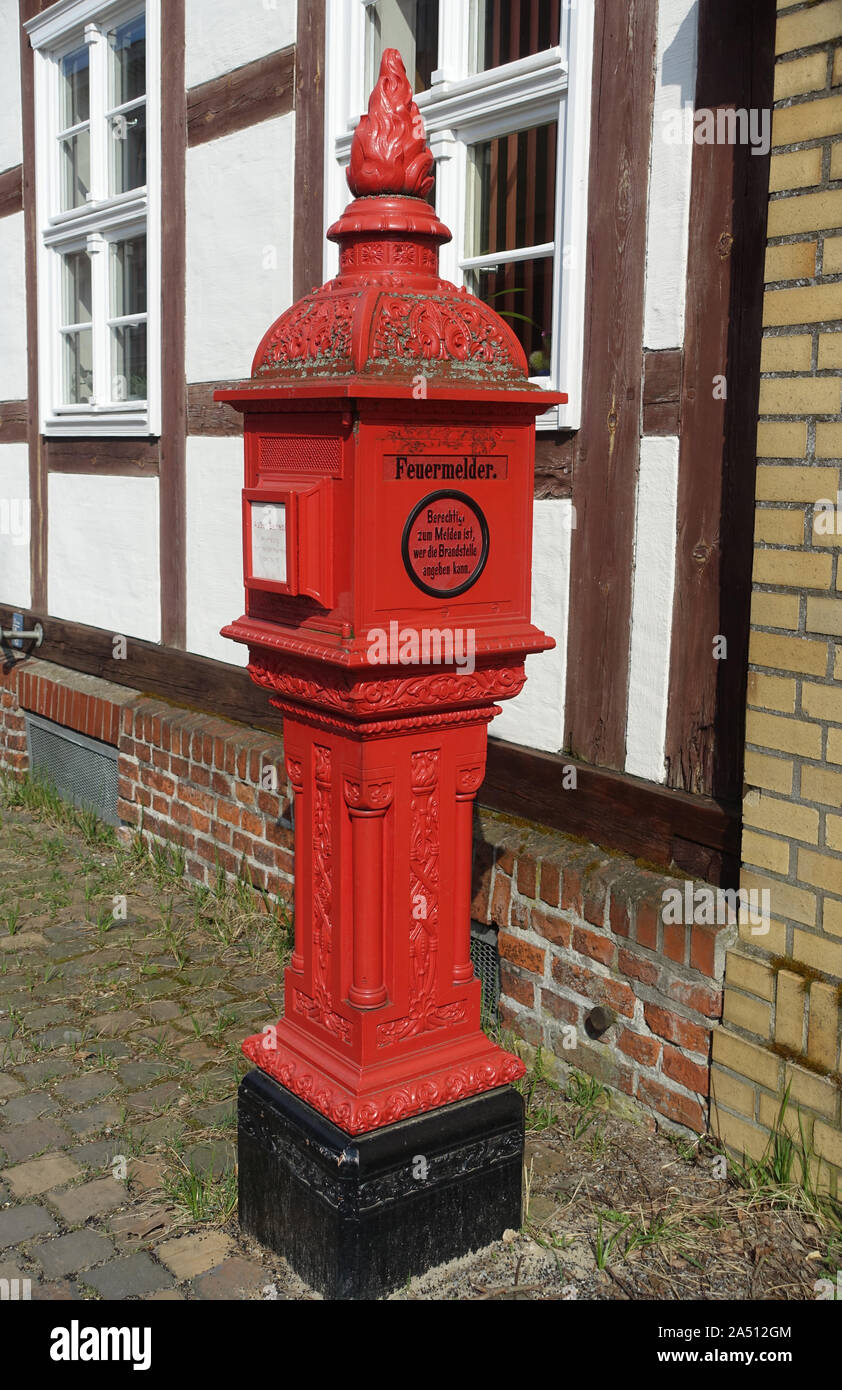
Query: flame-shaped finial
column 389, row 151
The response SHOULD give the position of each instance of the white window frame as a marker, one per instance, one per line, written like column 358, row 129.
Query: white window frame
column 62, row 27
column 460, row 111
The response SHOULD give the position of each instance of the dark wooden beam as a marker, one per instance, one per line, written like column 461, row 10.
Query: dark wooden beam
column 108, row 458
column 11, row 190
column 662, row 391
column 665, row 828
column 309, row 229
column 242, row 98
column 607, row 445
column 172, row 490
column 554, row 455
column 706, row 711
column 180, row 677
column 14, row 422
column 207, row 416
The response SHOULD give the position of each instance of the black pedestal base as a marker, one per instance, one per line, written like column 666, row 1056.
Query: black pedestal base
column 357, row 1216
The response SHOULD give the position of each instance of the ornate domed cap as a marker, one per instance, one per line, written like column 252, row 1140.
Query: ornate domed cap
column 388, row 314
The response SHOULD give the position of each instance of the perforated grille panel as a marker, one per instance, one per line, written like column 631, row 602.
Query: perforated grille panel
column 486, row 959
column 299, row 453
column 82, row 770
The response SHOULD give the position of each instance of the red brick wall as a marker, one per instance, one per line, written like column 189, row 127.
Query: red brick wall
column 13, row 755
column 202, row 784
column 578, row 929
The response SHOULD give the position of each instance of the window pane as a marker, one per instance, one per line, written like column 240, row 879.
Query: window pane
column 411, row 26
column 513, row 191
column 128, row 61
column 128, row 150
column 128, row 277
column 509, row 29
column 76, row 278
column 75, row 173
column 128, row 363
column 75, row 103
column 78, row 371
column 522, row 293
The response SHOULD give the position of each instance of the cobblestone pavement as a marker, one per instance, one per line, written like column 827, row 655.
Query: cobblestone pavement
column 125, row 993
column 119, row 1062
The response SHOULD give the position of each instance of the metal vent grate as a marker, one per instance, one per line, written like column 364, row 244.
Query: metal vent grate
column 82, row 770
column 300, row 454
column 486, row 959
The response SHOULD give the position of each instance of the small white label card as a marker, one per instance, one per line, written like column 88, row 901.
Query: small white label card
column 269, row 541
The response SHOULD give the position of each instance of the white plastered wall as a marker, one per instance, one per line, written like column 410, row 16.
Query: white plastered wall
column 13, row 381
column 14, row 525
column 239, row 245
column 670, row 170
column 221, row 35
column 654, row 579
column 11, row 138
column 536, row 716
column 214, row 546
column 103, row 553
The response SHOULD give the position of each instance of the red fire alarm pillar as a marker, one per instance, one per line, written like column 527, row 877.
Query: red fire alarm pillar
column 387, row 521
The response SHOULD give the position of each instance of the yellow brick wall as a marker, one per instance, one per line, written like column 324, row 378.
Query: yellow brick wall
column 783, row 990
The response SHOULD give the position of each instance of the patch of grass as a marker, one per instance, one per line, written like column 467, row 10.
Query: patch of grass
column 37, row 795
column 207, row 1198
column 786, row 1173
column 587, row 1093
column 540, row 1112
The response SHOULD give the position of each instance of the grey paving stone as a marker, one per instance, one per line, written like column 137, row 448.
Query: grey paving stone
column 69, row 1254
column 24, row 1141
column 98, row 1154
column 91, row 1086
column 55, row 1292
column 50, row 1013
column 136, row 1074
column 28, row 1107
column 59, row 1037
column 39, row 1175
column 91, row 1199
column 9, row 1086
column 46, row 1068
column 212, row 1159
column 22, row 1223
column 95, row 1118
column 130, row 1276
column 157, row 1098
column 233, row 1279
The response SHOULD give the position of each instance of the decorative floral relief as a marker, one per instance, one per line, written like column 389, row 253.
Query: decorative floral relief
column 317, row 327
column 344, row 690
column 320, row 1008
column 423, row 1014
column 463, row 330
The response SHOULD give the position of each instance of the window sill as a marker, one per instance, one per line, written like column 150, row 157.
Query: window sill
column 102, row 424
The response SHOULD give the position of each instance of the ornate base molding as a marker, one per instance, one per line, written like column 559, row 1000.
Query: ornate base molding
column 373, row 1107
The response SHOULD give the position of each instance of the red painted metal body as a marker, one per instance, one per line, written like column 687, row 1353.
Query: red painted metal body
column 389, row 437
